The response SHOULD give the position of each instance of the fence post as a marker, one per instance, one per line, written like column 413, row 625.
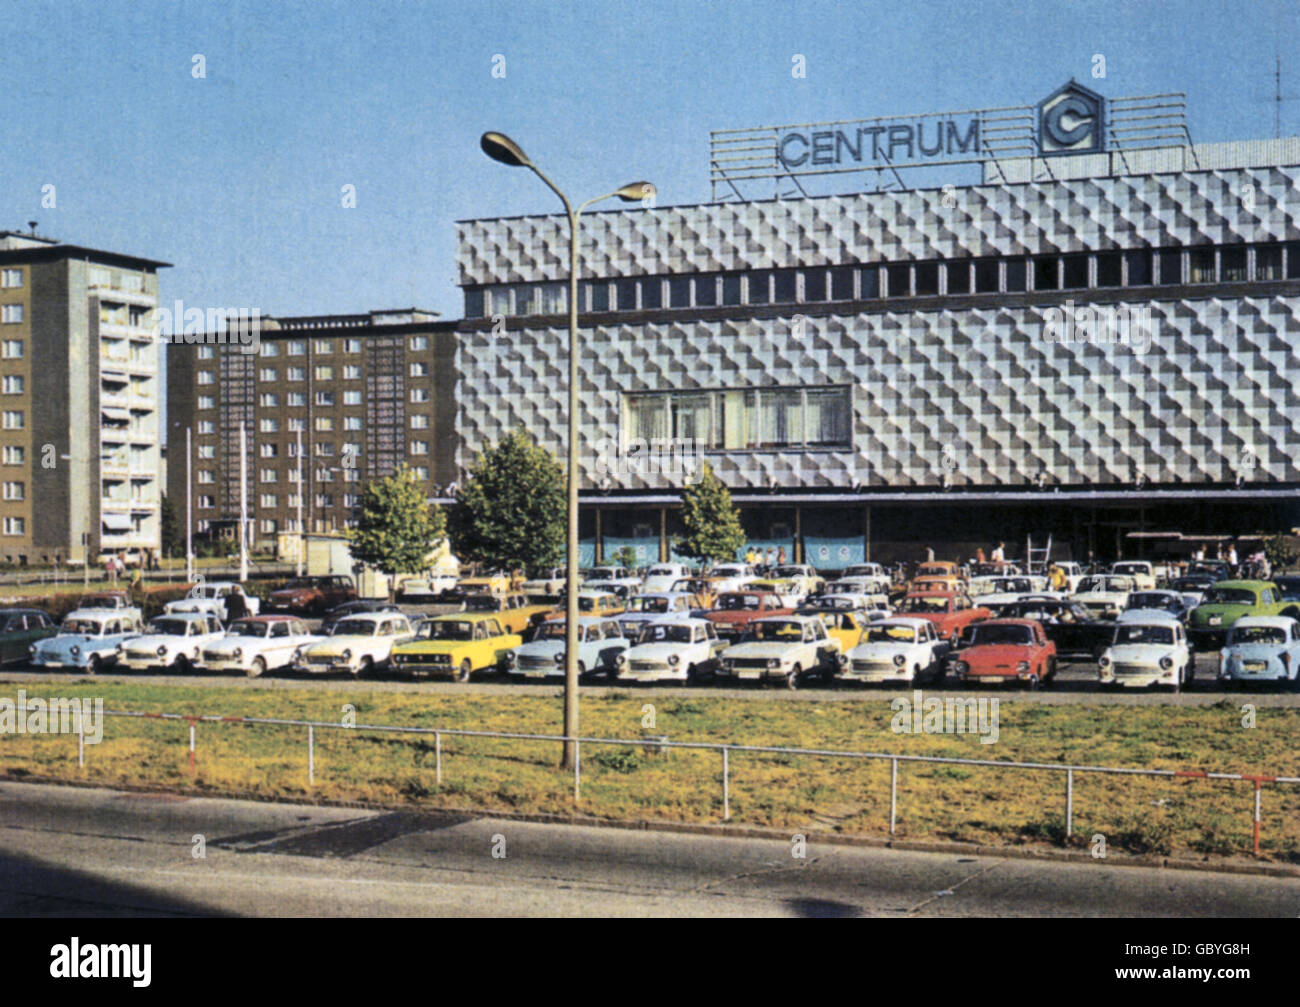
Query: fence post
column 311, row 755
column 893, row 793
column 1257, row 791
column 437, row 754
column 81, row 741
column 577, row 771
column 1069, row 803
column 192, row 763
column 726, row 785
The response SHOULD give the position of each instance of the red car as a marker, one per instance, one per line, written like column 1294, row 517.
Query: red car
column 950, row 611
column 1004, row 650
column 312, row 595
column 735, row 610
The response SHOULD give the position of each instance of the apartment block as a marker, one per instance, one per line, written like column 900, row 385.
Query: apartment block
column 79, row 401
column 358, row 395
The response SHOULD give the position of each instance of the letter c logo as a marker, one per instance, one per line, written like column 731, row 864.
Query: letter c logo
column 1054, row 123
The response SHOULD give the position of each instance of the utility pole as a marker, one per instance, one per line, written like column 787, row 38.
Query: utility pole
column 243, row 502
column 189, row 505
column 302, row 532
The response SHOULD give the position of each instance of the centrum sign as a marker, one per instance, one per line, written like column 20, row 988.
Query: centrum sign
column 881, row 142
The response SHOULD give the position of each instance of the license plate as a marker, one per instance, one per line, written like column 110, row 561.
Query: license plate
column 1254, row 665
column 1216, row 620
column 749, row 674
column 992, row 679
column 534, row 674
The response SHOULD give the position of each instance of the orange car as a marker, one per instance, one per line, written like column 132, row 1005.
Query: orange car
column 950, row 611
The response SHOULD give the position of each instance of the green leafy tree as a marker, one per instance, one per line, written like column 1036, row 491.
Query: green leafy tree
column 510, row 513
column 396, row 527
column 712, row 521
column 1281, row 552
column 624, row 557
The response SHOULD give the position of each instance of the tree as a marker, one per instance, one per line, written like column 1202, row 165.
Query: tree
column 712, row 521
column 173, row 537
column 397, row 527
column 1280, row 552
column 511, row 513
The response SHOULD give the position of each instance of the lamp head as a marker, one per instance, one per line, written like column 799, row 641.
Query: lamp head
column 634, row 192
column 501, row 148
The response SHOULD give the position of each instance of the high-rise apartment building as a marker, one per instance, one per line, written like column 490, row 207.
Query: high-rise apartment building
column 79, row 401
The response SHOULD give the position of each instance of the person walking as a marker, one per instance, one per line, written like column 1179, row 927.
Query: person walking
column 999, row 554
column 771, row 555
column 236, row 607
column 749, row 556
column 780, row 557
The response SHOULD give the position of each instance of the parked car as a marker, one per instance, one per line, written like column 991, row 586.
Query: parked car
column 872, row 607
column 1261, row 649
column 1144, row 604
column 1217, row 569
column 896, row 650
column 845, row 627
column 517, row 613
column 258, row 644
column 173, row 641
column 858, row 585
column 311, row 595
column 456, row 646
column 731, row 577
column 787, row 648
column 648, row 607
column 596, row 603
column 115, row 600
column 1073, row 573
column 349, row 608
column 1151, row 652
column 548, row 583
column 600, row 642
column 607, row 578
column 496, row 582
column 210, row 599
column 1227, row 601
column 87, row 640
column 1077, row 631
column 950, row 611
column 427, row 589
column 734, row 611
column 1105, row 595
column 1288, row 586
column 661, row 577
column 19, row 629
column 703, row 589
column 359, row 644
column 1142, row 572
column 792, row 581
column 672, row 648
column 996, row 590
column 1004, row 650
column 870, row 570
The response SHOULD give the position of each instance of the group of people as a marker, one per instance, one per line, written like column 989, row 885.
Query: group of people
column 773, row 556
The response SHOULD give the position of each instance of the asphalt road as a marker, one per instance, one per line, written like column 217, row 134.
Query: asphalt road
column 1075, row 684
column 73, row 851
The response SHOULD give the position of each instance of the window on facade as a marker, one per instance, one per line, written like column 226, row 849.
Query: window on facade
column 325, row 373
column 14, row 454
column 784, row 286
column 814, row 285
column 419, row 343
column 1045, row 273
column 14, row 419
column 1016, row 275
column 869, row 282
column 706, row 291
column 1268, row 262
column 208, row 378
column 419, row 421
column 270, row 350
column 325, row 449
column 473, row 304
column 269, row 450
column 898, row 280
column 625, row 291
column 419, row 369
column 1171, row 267
column 927, row 279
column 352, row 372
column 419, row 447
column 679, row 292
column 1293, row 260
column 296, row 399
column 598, row 296
column 1074, row 272
column 324, row 398
column 207, row 402
column 352, row 423
column 297, row 424
column 352, row 398
column 1109, row 269
column 14, row 491
column 265, row 374
column 986, row 276
column 11, row 278
column 419, row 395
column 324, row 423
column 297, row 347
column 297, row 374
column 767, row 418
column 11, row 313
column 1139, row 263
column 268, row 400
column 207, row 427
column 324, row 346
column 1232, row 263
column 207, row 451
column 842, row 283
column 268, row 476
column 731, row 289
column 13, row 384
column 958, row 277
column 207, row 352
column 207, row 477
column 352, row 346
column 652, row 295
column 15, row 526
column 12, row 349
column 759, row 287
column 1200, row 265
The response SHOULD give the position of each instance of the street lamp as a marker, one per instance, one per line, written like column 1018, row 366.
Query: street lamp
column 501, row 148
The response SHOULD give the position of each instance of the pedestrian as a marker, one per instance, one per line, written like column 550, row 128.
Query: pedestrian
column 1057, row 577
column 780, row 557
column 771, row 555
column 929, row 554
column 1232, row 556
column 979, row 555
column 999, row 555
column 749, row 556
column 236, row 607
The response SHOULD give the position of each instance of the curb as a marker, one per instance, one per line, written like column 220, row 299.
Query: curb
column 1045, row 853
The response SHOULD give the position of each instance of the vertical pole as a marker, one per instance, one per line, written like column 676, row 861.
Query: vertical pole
column 81, row 742
column 311, row 755
column 189, row 505
column 726, row 785
column 192, row 764
column 577, row 772
column 893, row 794
column 1257, row 789
column 571, row 565
column 437, row 754
column 243, row 502
column 302, row 532
column 1069, row 803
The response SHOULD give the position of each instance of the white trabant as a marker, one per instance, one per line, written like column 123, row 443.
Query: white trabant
column 672, row 648
column 210, row 598
column 174, row 641
column 857, row 585
column 1142, row 572
column 784, row 648
column 896, row 650
column 998, row 589
column 88, row 639
column 358, row 645
column 644, row 608
column 431, row 587
column 873, row 570
column 1151, row 652
column 731, row 577
column 1105, row 595
column 662, row 576
column 258, row 644
column 615, row 579
column 1262, row 648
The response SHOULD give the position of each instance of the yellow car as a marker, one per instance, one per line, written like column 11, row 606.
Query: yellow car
column 514, row 611
column 493, row 583
column 594, row 603
column 456, row 646
column 847, row 627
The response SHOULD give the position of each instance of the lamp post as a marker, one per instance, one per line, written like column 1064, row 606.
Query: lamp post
column 501, row 148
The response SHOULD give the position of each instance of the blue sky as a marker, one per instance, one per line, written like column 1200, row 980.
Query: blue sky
column 236, row 178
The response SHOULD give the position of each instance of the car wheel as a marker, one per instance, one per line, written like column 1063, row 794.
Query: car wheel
column 181, row 665
column 1032, row 683
column 792, row 679
column 692, row 676
column 257, row 669
column 94, row 665
column 464, row 671
column 365, row 668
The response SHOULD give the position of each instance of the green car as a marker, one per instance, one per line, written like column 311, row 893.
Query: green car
column 1227, row 601
column 19, row 629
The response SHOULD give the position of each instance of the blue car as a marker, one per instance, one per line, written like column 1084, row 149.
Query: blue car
column 600, row 641
column 88, row 640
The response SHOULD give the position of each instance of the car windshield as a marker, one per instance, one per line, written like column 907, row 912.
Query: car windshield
column 986, row 635
column 354, row 627
column 1152, row 599
column 169, row 627
column 789, row 571
column 1011, row 585
column 647, row 603
column 1131, row 568
column 1229, row 596
column 738, row 602
column 920, row 603
column 588, row 604
column 554, row 630
column 891, row 634
column 782, row 630
column 601, row 575
column 88, row 627
column 482, row 603
column 1104, row 584
column 1257, row 634
column 1144, row 634
column 249, row 629
column 728, row 571
column 661, row 571
column 449, row 629
column 298, row 585
column 670, row 633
